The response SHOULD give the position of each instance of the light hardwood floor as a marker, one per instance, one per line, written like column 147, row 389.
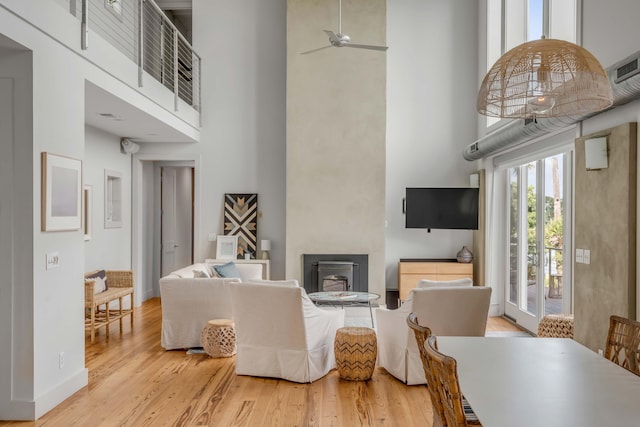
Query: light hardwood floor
column 135, row 382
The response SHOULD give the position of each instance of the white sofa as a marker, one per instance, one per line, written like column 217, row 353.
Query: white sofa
column 188, row 303
column 447, row 311
column 281, row 333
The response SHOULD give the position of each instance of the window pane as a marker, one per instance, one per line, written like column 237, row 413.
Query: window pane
column 532, row 251
column 553, row 233
column 513, row 235
column 535, row 28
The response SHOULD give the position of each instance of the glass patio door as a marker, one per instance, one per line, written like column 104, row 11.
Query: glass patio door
column 537, row 221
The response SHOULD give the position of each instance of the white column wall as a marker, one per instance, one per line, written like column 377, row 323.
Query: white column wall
column 336, row 120
column 432, row 86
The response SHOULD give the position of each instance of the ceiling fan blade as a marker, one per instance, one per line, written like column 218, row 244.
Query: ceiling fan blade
column 315, row 50
column 366, row 46
column 333, row 37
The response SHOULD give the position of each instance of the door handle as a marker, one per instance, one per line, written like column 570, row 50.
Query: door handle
column 176, row 246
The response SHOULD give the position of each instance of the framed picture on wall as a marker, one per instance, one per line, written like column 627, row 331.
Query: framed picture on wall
column 226, row 247
column 61, row 196
column 241, row 219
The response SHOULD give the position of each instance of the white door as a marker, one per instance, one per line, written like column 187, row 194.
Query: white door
column 177, row 218
column 538, row 281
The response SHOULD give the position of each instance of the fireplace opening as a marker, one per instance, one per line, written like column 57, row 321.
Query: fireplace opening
column 335, row 275
column 335, row 272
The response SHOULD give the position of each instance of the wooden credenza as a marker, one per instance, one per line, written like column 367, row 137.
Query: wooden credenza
column 410, row 271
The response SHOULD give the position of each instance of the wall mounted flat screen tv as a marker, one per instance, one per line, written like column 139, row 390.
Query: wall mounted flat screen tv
column 442, row 208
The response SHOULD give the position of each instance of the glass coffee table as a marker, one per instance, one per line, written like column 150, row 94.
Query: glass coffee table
column 345, row 298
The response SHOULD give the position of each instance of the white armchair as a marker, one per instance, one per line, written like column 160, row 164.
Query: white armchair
column 281, row 333
column 447, row 311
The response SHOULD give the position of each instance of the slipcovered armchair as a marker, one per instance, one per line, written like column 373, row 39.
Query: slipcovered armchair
column 447, row 311
column 281, row 333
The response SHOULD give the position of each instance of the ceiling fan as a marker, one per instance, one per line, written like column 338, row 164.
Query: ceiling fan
column 342, row 40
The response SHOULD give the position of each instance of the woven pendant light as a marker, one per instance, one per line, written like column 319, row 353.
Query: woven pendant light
column 545, row 78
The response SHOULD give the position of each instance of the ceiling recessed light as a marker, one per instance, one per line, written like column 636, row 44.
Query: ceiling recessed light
column 106, row 114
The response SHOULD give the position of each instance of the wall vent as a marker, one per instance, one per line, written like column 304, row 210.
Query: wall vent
column 627, row 70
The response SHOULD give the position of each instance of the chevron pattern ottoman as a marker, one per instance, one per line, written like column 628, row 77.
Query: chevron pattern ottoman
column 356, row 350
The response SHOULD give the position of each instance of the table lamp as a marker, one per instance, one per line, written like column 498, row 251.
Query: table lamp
column 265, row 245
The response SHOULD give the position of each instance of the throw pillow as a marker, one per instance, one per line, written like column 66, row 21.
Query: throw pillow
column 227, row 270
column 458, row 283
column 98, row 285
column 99, row 281
column 198, row 274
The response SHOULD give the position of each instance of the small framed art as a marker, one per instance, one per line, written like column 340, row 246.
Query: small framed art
column 61, row 200
column 226, row 247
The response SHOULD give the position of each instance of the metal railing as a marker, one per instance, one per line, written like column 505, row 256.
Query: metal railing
column 162, row 51
column 166, row 55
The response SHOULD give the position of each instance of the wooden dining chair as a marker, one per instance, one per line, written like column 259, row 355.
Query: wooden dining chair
column 623, row 343
column 457, row 413
column 422, row 333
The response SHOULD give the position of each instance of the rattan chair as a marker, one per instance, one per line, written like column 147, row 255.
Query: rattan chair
column 422, row 333
column 97, row 310
column 623, row 343
column 457, row 413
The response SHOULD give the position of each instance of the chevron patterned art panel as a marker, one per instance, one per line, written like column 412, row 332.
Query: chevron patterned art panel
column 241, row 219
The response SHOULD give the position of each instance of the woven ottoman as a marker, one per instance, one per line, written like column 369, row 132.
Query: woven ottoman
column 219, row 338
column 556, row 326
column 356, row 350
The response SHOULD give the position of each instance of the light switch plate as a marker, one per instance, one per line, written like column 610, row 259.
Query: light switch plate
column 580, row 256
column 53, row 260
column 587, row 256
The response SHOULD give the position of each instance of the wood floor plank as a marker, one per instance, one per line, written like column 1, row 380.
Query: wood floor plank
column 133, row 381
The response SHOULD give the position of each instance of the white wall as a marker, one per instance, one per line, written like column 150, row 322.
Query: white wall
column 431, row 117
column 109, row 248
column 46, row 316
column 243, row 119
column 16, row 231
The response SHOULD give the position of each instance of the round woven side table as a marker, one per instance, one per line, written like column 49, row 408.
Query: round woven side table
column 556, row 326
column 356, row 350
column 219, row 338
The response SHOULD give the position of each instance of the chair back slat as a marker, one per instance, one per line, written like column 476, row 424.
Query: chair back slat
column 445, row 373
column 422, row 333
column 623, row 343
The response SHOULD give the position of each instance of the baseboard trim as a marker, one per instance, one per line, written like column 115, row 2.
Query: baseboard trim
column 494, row 310
column 56, row 395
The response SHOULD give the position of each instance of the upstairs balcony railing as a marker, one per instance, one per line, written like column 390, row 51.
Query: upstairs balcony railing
column 142, row 32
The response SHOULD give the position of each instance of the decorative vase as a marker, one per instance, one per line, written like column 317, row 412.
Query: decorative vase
column 464, row 255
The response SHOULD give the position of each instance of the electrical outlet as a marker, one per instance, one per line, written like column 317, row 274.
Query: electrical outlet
column 53, row 260
column 587, row 256
column 580, row 256
column 61, row 360
column 211, row 237
column 600, row 352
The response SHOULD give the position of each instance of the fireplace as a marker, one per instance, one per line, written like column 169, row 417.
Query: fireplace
column 335, row 275
column 335, row 272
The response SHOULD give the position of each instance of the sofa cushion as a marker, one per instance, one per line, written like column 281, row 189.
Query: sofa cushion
column 228, row 270
column 199, row 274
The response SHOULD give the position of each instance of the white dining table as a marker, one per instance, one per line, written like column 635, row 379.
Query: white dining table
column 542, row 382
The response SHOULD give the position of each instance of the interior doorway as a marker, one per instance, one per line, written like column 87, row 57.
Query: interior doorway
column 176, row 217
column 146, row 222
